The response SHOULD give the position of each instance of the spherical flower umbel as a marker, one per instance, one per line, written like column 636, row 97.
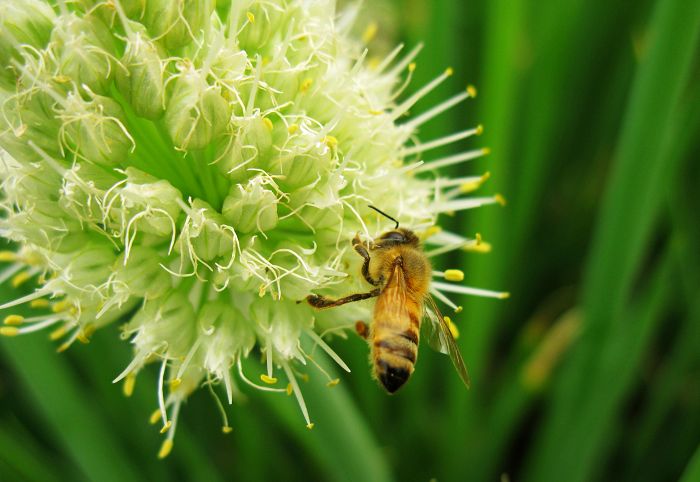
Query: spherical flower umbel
column 193, row 169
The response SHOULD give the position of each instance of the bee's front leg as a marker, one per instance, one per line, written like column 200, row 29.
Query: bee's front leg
column 321, row 302
column 361, row 249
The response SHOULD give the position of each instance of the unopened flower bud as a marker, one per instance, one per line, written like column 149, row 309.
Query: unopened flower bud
column 251, row 208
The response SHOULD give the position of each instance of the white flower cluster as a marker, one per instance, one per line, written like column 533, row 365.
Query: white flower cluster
column 194, row 168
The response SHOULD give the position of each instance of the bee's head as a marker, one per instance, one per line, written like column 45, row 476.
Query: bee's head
column 397, row 237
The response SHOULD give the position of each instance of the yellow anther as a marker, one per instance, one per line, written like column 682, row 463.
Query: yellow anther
column 292, row 128
column 310, row 425
column 305, row 377
column 64, row 346
column 480, row 247
column 174, row 383
column 333, row 382
column 471, row 90
column 7, row 256
column 129, row 384
column 40, row 303
column 289, row 389
column 306, row 84
column 330, row 141
column 41, row 279
column 411, row 66
column 226, row 429
column 370, row 32
column 9, row 331
column 485, row 176
column 60, row 306
column 479, row 130
column 267, row 379
column 58, row 333
column 431, row 231
column 459, row 309
column 268, row 123
column 251, row 17
column 449, row 71
column 452, row 327
column 84, row 335
column 155, row 416
column 503, row 296
column 20, row 278
column 500, row 199
column 454, row 275
column 13, row 320
column 486, row 151
column 165, row 449
column 376, row 112
column 261, row 290
column 167, row 426
column 62, row 79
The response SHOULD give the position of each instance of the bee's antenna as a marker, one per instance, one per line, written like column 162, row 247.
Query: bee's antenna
column 384, row 214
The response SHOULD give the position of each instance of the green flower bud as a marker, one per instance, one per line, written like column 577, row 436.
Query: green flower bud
column 84, row 51
column 251, row 208
column 196, row 113
column 22, row 22
column 95, row 129
column 141, row 79
column 176, row 22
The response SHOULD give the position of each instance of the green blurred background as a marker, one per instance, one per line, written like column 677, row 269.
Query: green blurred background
column 590, row 371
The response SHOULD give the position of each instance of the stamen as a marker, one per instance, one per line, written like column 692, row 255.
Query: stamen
column 166, row 448
column 463, row 204
column 442, row 141
column 451, row 247
column 314, row 336
column 9, row 331
column 14, row 320
column 370, row 32
column 255, row 385
column 450, row 274
column 267, row 379
column 440, row 108
column 422, row 92
column 445, row 300
column 21, row 278
column 451, row 160
column 129, row 383
column 161, row 399
column 466, row 290
column 452, row 327
column 8, row 257
column 297, row 392
column 222, row 411
column 39, row 304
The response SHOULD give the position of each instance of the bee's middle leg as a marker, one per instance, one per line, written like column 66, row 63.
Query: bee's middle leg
column 321, row 302
column 361, row 249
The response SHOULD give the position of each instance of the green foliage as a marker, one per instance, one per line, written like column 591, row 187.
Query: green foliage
column 591, row 371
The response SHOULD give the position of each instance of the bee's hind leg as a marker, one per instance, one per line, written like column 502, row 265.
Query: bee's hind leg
column 321, row 302
column 361, row 249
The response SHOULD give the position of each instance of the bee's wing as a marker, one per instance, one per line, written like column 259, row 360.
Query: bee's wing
column 438, row 335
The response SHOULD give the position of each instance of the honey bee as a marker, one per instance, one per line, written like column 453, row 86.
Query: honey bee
column 400, row 272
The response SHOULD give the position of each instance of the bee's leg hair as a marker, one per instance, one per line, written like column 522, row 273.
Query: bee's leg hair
column 324, row 302
column 361, row 249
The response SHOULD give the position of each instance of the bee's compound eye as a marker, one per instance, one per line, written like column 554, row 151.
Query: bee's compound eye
column 394, row 236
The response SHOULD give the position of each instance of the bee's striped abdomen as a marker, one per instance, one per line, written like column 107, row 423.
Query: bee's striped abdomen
column 394, row 352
